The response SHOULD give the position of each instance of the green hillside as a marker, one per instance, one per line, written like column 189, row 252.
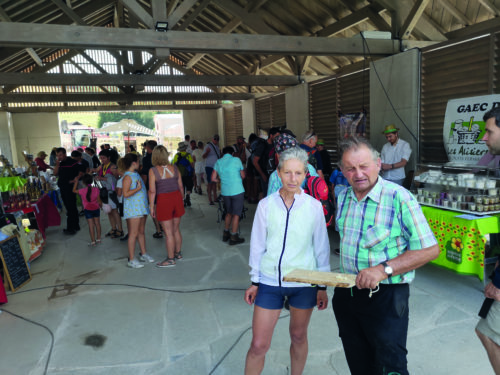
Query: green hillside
column 85, row 118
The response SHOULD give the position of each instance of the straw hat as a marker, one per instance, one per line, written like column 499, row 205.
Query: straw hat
column 390, row 129
column 181, row 146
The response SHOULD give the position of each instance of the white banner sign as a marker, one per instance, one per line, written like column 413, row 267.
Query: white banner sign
column 463, row 128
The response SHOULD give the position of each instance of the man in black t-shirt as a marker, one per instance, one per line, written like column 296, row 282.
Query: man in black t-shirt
column 67, row 169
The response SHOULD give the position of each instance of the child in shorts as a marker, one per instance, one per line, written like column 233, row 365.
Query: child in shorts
column 91, row 206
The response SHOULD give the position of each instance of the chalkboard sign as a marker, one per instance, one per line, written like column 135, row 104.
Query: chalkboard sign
column 14, row 265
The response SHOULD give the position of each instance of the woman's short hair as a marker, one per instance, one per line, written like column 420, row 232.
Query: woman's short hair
column 159, row 156
column 354, row 143
column 293, row 153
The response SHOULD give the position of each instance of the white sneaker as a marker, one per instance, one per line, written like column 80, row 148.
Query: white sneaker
column 146, row 258
column 134, row 263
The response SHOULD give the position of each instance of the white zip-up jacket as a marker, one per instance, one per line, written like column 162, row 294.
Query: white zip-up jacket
column 283, row 240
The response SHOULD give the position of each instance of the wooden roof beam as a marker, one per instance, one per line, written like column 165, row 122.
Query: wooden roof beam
column 45, row 79
column 107, row 108
column 413, row 17
column 116, row 97
column 453, row 10
column 490, row 7
column 139, row 12
column 61, row 36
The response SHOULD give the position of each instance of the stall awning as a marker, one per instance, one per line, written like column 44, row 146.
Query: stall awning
column 126, row 126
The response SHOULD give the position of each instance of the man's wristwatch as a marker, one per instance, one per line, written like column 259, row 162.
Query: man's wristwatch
column 387, row 269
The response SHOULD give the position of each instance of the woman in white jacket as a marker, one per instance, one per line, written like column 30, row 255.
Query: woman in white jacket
column 288, row 232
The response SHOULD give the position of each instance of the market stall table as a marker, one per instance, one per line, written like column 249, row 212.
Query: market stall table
column 461, row 241
column 46, row 215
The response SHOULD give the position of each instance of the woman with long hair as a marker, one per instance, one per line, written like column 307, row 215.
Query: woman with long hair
column 135, row 209
column 165, row 183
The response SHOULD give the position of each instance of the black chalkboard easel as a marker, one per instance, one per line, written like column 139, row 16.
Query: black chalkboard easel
column 15, row 267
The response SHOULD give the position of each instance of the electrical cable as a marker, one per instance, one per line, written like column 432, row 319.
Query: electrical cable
column 40, row 325
column 385, row 91
column 131, row 286
column 234, row 344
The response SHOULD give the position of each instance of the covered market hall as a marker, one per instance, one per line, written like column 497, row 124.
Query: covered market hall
column 336, row 68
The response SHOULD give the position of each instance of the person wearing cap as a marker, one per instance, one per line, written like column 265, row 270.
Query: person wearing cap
column 185, row 164
column 211, row 154
column 325, row 159
column 395, row 155
column 309, row 140
column 281, row 143
column 40, row 162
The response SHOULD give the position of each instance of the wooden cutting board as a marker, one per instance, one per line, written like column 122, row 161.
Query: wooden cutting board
column 343, row 280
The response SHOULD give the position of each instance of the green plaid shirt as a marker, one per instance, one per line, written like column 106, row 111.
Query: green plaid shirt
column 387, row 222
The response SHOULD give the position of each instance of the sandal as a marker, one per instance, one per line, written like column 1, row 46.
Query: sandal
column 111, row 233
column 117, row 234
column 158, row 235
column 178, row 256
column 168, row 262
column 98, row 242
column 91, row 244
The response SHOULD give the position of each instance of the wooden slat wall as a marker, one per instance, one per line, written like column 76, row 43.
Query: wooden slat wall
column 278, row 107
column 458, row 71
column 354, row 95
column 263, row 113
column 323, row 114
column 271, row 111
column 345, row 94
column 233, row 123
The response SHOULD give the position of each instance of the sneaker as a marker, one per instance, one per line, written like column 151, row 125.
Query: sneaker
column 134, row 263
column 146, row 258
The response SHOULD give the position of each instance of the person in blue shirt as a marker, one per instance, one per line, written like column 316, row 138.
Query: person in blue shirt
column 231, row 173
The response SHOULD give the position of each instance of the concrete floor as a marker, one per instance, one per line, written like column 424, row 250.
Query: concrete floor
column 106, row 318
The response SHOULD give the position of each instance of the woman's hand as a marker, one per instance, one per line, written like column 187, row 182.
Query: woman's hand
column 139, row 185
column 250, row 294
column 152, row 211
column 321, row 299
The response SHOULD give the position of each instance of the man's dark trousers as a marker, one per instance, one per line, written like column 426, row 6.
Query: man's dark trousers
column 373, row 330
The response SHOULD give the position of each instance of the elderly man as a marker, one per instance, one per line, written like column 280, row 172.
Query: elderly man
column 395, row 155
column 488, row 328
column 384, row 237
column 309, row 141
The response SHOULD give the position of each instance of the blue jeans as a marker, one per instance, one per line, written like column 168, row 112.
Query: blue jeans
column 373, row 330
